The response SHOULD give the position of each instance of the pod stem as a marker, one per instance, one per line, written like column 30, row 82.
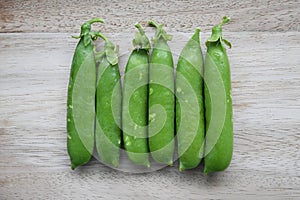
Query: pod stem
column 160, row 32
column 101, row 35
column 153, row 23
column 140, row 40
column 95, row 20
column 225, row 20
column 216, row 34
column 139, row 27
column 86, row 31
column 86, row 27
column 110, row 51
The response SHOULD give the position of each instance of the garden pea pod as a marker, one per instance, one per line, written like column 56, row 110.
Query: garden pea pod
column 81, row 98
column 135, row 95
column 108, row 105
column 161, row 98
column 190, row 104
column 218, row 103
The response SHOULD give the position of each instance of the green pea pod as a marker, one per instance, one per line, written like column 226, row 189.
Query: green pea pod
column 135, row 94
column 81, row 98
column 189, row 104
column 161, row 98
column 218, row 103
column 108, row 105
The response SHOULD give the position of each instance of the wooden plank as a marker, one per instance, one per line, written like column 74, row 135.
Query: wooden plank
column 34, row 70
column 183, row 16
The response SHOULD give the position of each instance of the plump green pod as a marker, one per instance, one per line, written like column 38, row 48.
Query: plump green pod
column 161, row 99
column 219, row 142
column 135, row 95
column 190, row 108
column 108, row 105
column 81, row 99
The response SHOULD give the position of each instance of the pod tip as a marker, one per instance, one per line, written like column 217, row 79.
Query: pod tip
column 180, row 168
column 115, row 163
column 73, row 166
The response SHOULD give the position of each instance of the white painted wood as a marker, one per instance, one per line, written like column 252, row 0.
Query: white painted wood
column 34, row 71
column 183, row 16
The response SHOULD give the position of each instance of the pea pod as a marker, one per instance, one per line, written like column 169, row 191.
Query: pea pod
column 189, row 104
column 218, row 103
column 161, row 98
column 108, row 105
column 81, row 98
column 135, row 95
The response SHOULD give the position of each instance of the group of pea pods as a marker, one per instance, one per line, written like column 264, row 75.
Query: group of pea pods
column 155, row 106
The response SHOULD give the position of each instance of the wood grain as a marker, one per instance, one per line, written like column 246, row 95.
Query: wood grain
column 34, row 70
column 183, row 16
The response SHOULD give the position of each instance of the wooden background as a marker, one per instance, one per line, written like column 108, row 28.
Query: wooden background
column 35, row 57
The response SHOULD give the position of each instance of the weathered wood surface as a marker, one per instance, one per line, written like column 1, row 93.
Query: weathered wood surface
column 34, row 70
column 183, row 16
